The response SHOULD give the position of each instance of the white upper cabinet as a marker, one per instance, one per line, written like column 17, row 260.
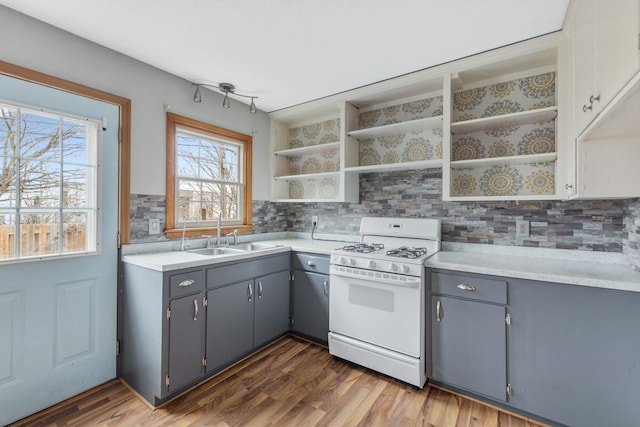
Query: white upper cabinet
column 605, row 52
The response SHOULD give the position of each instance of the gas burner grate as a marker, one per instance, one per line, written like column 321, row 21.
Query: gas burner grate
column 364, row 248
column 407, row 252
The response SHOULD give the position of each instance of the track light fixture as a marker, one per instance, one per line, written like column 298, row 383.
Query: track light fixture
column 226, row 88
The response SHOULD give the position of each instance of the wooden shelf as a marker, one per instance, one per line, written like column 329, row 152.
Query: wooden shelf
column 511, row 160
column 398, row 128
column 294, row 152
column 307, row 176
column 389, row 167
column 505, row 120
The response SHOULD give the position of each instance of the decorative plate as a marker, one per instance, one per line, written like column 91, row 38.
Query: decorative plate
column 467, row 148
column 501, row 181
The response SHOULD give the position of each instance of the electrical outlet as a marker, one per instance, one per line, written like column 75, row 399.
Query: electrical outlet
column 522, row 229
column 154, row 226
column 314, row 220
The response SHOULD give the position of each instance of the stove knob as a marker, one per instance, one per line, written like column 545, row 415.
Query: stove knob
column 393, row 267
column 371, row 264
column 405, row 269
column 352, row 261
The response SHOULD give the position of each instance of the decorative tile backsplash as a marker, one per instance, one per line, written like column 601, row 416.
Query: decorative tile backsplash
column 405, row 147
column 592, row 225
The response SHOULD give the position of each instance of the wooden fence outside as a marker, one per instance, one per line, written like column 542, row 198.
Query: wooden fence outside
column 41, row 239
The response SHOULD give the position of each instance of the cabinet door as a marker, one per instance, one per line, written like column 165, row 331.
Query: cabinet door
column 186, row 340
column 311, row 304
column 271, row 307
column 584, row 63
column 229, row 324
column 469, row 345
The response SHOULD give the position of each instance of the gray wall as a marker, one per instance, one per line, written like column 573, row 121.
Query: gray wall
column 41, row 47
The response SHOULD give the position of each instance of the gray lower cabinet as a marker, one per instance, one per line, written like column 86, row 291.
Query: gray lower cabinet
column 310, row 312
column 247, row 307
column 468, row 334
column 179, row 322
column 572, row 352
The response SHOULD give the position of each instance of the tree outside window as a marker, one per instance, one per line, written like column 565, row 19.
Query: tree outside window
column 208, row 174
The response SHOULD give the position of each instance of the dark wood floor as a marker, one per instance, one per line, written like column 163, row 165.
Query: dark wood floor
column 290, row 383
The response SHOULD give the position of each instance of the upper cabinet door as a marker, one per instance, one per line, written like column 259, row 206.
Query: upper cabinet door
column 605, row 54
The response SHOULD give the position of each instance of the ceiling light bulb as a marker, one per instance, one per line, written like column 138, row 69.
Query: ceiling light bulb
column 225, row 102
column 196, row 96
column 252, row 107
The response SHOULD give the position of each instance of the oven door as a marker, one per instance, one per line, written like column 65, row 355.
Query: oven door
column 382, row 309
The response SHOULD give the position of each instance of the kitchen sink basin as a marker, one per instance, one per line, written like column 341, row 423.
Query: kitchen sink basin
column 254, row 246
column 216, row 251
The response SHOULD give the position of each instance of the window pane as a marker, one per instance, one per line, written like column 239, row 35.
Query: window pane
column 39, row 184
column 7, row 131
column 7, row 182
column 230, row 199
column 38, row 234
column 75, row 185
column 39, row 137
column 211, row 200
column 74, row 238
column 7, row 235
column 74, row 143
column 188, row 155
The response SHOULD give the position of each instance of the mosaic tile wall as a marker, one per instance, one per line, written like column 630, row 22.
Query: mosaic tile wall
column 539, row 138
column 267, row 217
column 583, row 225
column 631, row 241
column 409, row 147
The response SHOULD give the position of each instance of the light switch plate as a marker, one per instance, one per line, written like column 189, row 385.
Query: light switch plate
column 154, row 226
column 522, row 229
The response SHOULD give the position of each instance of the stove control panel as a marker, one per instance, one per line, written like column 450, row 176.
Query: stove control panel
column 367, row 263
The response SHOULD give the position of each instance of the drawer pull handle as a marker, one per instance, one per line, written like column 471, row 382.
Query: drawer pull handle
column 465, row 287
column 311, row 263
column 187, row 282
column 195, row 310
column 325, row 284
column 438, row 309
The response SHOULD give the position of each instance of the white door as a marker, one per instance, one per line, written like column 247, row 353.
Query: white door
column 58, row 312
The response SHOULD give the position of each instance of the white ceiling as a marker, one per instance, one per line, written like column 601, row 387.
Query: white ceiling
column 291, row 51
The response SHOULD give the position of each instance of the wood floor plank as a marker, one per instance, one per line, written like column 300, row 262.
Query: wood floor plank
column 290, row 383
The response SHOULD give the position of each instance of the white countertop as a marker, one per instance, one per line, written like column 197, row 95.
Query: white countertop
column 584, row 272
column 174, row 260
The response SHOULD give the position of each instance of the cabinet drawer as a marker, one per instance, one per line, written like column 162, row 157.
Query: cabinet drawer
column 308, row 262
column 247, row 270
column 473, row 287
column 185, row 283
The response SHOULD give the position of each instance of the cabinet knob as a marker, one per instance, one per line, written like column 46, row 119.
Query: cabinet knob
column 311, row 263
column 593, row 99
column 586, row 107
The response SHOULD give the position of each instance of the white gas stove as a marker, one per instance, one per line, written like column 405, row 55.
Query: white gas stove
column 377, row 300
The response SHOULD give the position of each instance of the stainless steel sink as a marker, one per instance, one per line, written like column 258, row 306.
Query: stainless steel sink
column 217, row 251
column 254, row 246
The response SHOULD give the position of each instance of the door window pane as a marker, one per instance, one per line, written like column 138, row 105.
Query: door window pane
column 39, row 234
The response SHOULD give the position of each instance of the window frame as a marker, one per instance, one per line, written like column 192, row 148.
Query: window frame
column 93, row 195
column 172, row 228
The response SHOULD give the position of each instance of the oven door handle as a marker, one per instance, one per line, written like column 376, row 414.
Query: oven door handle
column 391, row 279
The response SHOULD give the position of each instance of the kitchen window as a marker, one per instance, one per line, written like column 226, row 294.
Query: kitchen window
column 208, row 175
column 48, row 183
